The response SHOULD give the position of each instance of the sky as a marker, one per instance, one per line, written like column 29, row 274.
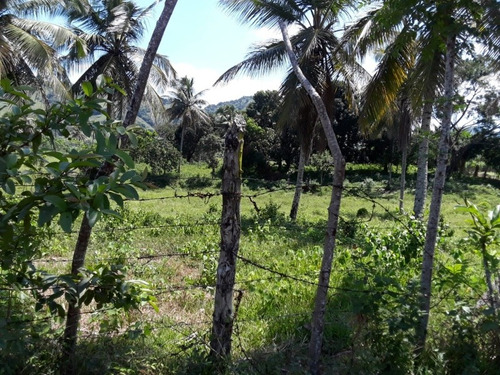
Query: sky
column 202, row 41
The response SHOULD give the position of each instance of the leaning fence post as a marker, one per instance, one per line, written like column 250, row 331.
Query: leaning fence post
column 230, row 227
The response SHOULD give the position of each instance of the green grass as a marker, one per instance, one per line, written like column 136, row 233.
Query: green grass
column 274, row 314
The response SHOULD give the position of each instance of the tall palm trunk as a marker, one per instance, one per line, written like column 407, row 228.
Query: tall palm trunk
column 147, row 63
column 404, row 130
column 183, row 130
column 402, row 183
column 437, row 195
column 73, row 316
column 422, row 163
column 305, row 152
column 333, row 210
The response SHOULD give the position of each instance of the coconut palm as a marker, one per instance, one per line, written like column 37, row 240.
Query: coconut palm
column 79, row 254
column 28, row 47
column 111, row 30
column 435, row 26
column 317, row 63
column 324, row 64
column 185, row 108
column 412, row 66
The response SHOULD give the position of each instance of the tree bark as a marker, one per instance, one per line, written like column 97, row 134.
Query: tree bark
column 305, row 151
column 402, row 182
column 147, row 63
column 223, row 318
column 73, row 315
column 422, row 163
column 318, row 318
column 437, row 195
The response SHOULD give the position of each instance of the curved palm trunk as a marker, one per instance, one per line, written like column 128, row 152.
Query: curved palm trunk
column 422, row 163
column 305, row 151
column 147, row 63
column 73, row 315
column 321, row 300
column 437, row 195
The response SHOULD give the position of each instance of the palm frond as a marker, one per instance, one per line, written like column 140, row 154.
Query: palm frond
column 263, row 12
column 258, row 62
column 382, row 91
column 35, row 51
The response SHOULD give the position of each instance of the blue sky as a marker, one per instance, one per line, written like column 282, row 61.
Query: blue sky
column 202, row 42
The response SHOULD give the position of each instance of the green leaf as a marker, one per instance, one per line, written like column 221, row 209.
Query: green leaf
column 127, row 175
column 9, row 186
column 127, row 159
column 11, row 160
column 112, row 143
column 100, row 202
column 85, row 163
column 46, row 214
column 117, row 198
column 93, row 216
column 101, row 142
column 127, row 191
column 66, row 221
column 73, row 189
column 87, row 88
column 56, row 201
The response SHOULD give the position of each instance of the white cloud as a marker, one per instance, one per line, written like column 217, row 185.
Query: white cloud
column 204, row 79
column 265, row 34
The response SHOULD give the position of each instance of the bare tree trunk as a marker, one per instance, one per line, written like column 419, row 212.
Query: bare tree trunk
column 305, row 151
column 402, row 183
column 422, row 163
column 147, row 63
column 321, row 300
column 73, row 315
column 437, row 195
column 230, row 228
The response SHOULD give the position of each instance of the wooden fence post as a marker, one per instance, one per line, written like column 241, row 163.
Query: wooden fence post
column 230, row 228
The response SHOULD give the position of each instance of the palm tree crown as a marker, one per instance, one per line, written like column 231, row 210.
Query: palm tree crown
column 185, row 107
column 111, row 29
column 28, row 47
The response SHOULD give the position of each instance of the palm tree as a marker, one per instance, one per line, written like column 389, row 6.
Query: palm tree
column 29, row 47
column 321, row 300
column 317, row 65
column 435, row 26
column 185, row 107
column 411, row 71
column 111, row 30
column 320, row 57
column 299, row 113
column 81, row 246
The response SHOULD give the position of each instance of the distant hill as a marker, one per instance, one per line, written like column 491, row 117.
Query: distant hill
column 240, row 104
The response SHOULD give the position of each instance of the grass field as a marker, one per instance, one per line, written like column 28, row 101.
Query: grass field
column 171, row 240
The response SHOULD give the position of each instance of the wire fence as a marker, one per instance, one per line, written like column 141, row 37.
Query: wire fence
column 275, row 274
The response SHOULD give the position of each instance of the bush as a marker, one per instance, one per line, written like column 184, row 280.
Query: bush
column 157, row 152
